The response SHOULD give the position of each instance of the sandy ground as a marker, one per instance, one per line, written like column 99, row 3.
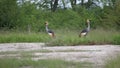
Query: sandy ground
column 96, row 54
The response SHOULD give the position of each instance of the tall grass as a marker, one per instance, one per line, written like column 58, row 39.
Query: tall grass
column 28, row 63
column 63, row 37
column 116, row 40
column 97, row 36
column 23, row 37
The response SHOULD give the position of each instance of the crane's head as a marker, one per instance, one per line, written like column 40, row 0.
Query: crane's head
column 46, row 23
column 88, row 20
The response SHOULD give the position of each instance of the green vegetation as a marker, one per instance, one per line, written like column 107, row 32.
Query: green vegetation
column 28, row 63
column 113, row 63
column 26, row 17
column 116, row 40
column 65, row 38
column 94, row 37
column 23, row 37
column 25, row 22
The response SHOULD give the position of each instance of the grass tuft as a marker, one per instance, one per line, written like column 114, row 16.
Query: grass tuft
column 28, row 63
column 113, row 63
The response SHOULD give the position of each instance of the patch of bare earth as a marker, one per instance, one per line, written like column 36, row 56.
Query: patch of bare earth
column 96, row 54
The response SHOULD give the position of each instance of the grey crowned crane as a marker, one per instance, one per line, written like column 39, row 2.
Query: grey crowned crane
column 50, row 32
column 85, row 31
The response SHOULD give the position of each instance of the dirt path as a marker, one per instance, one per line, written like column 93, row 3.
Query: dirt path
column 96, row 54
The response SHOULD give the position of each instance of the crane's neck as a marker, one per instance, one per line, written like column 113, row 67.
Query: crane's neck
column 88, row 28
column 46, row 28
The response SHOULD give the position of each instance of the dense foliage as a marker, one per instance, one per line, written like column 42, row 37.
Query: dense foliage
column 26, row 16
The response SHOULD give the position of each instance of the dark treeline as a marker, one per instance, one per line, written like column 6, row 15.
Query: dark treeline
column 31, row 15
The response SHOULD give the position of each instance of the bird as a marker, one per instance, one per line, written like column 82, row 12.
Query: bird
column 49, row 31
column 84, row 32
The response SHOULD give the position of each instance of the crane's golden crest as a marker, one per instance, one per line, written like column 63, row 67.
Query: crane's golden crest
column 88, row 21
column 46, row 23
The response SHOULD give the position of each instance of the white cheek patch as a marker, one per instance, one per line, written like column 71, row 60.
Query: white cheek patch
column 83, row 34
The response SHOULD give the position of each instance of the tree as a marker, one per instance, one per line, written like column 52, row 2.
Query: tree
column 8, row 13
column 89, row 3
column 63, row 4
column 82, row 2
column 73, row 4
column 54, row 7
column 111, row 15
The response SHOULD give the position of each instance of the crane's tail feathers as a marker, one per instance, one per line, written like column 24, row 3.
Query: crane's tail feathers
column 53, row 35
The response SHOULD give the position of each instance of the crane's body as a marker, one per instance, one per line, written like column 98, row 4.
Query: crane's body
column 50, row 32
column 85, row 31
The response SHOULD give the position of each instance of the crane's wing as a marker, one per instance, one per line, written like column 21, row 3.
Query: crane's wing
column 83, row 31
column 50, row 31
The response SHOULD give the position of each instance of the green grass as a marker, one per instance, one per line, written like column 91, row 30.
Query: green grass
column 116, row 40
column 23, row 37
column 94, row 37
column 113, row 63
column 63, row 37
column 103, row 36
column 28, row 63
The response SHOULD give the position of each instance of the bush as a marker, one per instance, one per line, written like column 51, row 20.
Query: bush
column 117, row 40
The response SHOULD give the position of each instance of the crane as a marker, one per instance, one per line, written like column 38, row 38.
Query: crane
column 50, row 32
column 85, row 31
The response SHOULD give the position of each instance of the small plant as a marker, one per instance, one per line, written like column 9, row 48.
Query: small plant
column 116, row 40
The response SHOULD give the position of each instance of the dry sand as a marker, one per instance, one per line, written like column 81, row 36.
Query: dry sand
column 96, row 54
